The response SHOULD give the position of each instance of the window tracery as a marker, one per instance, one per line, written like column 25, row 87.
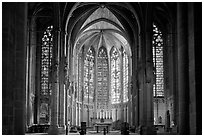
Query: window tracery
column 102, row 66
column 115, row 76
column 158, row 87
column 89, row 75
column 125, row 77
column 46, row 57
column 80, row 76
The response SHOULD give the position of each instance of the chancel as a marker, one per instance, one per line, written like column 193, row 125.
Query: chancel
column 100, row 68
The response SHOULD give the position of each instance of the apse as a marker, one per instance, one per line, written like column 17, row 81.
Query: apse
column 102, row 69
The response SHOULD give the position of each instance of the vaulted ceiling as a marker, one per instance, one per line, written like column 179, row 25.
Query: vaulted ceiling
column 99, row 23
column 102, row 28
column 111, row 24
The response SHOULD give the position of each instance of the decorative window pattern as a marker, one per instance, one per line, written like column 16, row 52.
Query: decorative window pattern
column 158, row 86
column 125, row 77
column 115, row 76
column 102, row 65
column 80, row 76
column 46, row 57
column 89, row 76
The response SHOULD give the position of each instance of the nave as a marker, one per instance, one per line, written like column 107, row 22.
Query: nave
column 126, row 67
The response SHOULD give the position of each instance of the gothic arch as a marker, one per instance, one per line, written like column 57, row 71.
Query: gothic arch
column 165, row 19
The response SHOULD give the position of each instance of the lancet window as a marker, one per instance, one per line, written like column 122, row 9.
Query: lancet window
column 125, row 77
column 102, row 80
column 89, row 75
column 115, row 76
column 46, row 57
column 158, row 86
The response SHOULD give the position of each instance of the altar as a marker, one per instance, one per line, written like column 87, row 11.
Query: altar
column 100, row 124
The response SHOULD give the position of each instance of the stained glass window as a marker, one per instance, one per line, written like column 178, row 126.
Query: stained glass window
column 115, row 76
column 158, row 86
column 102, row 65
column 46, row 57
column 125, row 77
column 80, row 76
column 89, row 76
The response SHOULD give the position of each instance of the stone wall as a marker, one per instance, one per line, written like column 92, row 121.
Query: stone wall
column 14, row 25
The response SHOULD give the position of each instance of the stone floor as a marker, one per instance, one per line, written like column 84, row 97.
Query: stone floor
column 160, row 131
column 110, row 133
column 88, row 133
column 101, row 133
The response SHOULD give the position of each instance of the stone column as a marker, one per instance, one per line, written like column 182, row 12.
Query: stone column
column 71, row 106
column 31, row 65
column 53, row 129
column 95, row 85
column 129, row 113
column 111, row 114
column 61, row 85
column 139, row 84
column 54, row 102
column 82, row 73
column 74, row 108
column 88, row 115
column 55, row 85
column 33, row 61
column 76, row 112
column 38, row 84
column 148, row 96
column 130, row 120
column 134, row 89
column 124, row 113
column 196, row 91
column 175, row 78
column 148, row 116
column 66, row 87
column 79, row 122
column 183, row 87
column 127, row 116
column 116, row 114
column 121, row 80
column 14, row 25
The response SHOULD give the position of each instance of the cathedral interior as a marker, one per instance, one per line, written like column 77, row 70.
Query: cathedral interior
column 131, row 67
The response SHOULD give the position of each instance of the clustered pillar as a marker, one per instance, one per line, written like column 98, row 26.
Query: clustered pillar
column 14, row 25
column 183, row 88
column 55, row 88
column 61, row 85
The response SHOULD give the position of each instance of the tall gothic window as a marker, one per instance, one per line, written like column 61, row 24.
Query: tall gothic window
column 158, row 86
column 46, row 57
column 89, row 76
column 125, row 77
column 80, row 76
column 102, row 80
column 115, row 76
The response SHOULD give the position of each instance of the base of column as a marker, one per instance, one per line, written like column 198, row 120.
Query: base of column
column 62, row 130
column 148, row 130
column 53, row 130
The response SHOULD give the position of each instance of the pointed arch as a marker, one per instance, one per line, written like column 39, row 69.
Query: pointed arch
column 125, row 76
column 102, row 78
column 115, row 76
column 89, row 63
column 157, row 50
column 46, row 57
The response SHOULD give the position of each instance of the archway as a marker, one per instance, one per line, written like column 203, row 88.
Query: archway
column 102, row 70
